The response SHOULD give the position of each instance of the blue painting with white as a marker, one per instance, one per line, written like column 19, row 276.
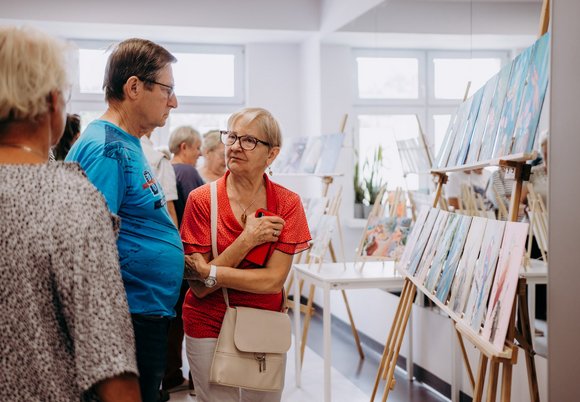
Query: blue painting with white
column 533, row 99
column 492, row 122
column 463, row 114
column 512, row 104
column 452, row 261
column 472, row 118
column 479, row 129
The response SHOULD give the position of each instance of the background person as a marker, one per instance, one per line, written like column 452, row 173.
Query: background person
column 139, row 91
column 253, row 141
column 214, row 161
column 72, row 131
column 66, row 333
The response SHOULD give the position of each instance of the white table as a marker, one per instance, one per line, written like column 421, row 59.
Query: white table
column 338, row 276
column 535, row 274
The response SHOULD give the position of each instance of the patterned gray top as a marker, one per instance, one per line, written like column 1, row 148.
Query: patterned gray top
column 64, row 321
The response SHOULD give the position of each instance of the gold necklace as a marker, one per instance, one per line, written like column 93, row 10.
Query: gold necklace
column 243, row 216
column 25, row 148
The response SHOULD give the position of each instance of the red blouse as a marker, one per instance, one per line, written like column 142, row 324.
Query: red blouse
column 202, row 318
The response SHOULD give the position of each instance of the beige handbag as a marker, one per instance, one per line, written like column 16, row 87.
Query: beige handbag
column 252, row 344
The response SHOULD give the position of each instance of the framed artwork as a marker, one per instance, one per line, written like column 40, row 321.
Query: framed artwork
column 479, row 129
column 323, row 236
column 452, row 262
column 533, row 98
column 460, row 132
column 385, row 237
column 431, row 247
column 315, row 208
column 422, row 240
column 445, row 149
column 483, row 274
column 505, row 284
column 311, row 154
column 441, row 251
column 291, row 156
column 471, row 121
column 511, row 106
column 494, row 113
column 466, row 266
column 332, row 144
column 413, row 237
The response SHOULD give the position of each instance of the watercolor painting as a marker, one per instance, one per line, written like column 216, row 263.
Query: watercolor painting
column 452, row 261
column 291, row 156
column 311, row 155
column 492, row 122
column 447, row 144
column 464, row 274
column 431, row 247
column 320, row 243
column 483, row 274
column 330, row 153
column 460, row 132
column 385, row 237
column 413, row 237
column 441, row 251
column 505, row 284
column 479, row 129
column 471, row 121
column 533, row 98
column 315, row 208
column 511, row 107
column 419, row 248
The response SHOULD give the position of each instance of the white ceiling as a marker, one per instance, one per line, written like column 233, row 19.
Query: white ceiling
column 452, row 24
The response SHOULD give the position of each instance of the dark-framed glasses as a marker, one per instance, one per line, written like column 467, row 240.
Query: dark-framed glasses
column 247, row 142
column 168, row 88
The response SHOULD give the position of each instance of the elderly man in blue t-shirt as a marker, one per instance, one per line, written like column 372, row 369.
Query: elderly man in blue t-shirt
column 139, row 91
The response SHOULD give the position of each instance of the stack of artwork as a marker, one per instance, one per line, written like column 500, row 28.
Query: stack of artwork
column 502, row 117
column 310, row 155
column 470, row 264
column 414, row 157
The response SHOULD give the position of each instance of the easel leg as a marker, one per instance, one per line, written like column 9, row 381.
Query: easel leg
column 465, row 359
column 307, row 316
column 492, row 384
column 506, row 382
column 524, row 327
column 478, row 390
column 352, row 326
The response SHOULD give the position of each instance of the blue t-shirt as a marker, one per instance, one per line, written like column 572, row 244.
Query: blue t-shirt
column 150, row 248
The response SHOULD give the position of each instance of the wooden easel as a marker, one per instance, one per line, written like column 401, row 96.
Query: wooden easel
column 506, row 358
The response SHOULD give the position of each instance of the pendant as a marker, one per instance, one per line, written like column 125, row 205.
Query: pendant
column 244, row 217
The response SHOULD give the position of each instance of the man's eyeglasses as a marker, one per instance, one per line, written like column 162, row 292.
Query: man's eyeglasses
column 169, row 89
column 247, row 142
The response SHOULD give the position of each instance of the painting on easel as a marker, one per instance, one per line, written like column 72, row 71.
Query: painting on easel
column 427, row 258
column 505, row 284
column 412, row 238
column 385, row 237
column 326, row 227
column 484, row 272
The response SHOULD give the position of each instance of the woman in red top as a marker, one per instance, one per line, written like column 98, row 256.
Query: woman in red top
column 252, row 143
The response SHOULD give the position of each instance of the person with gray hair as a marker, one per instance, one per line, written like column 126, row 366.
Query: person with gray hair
column 252, row 143
column 140, row 94
column 66, row 331
column 214, row 159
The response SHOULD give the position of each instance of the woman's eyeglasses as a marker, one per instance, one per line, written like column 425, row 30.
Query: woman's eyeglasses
column 247, row 142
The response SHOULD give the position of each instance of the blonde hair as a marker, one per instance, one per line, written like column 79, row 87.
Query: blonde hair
column 32, row 64
column 180, row 135
column 263, row 119
column 211, row 140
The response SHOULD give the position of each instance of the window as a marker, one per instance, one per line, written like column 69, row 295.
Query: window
column 92, row 64
column 388, row 78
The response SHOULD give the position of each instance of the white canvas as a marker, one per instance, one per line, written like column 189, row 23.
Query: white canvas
column 412, row 238
column 505, row 284
column 431, row 246
column 421, row 243
column 324, row 234
column 441, row 251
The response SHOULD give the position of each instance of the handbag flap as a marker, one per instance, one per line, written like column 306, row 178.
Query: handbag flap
column 262, row 331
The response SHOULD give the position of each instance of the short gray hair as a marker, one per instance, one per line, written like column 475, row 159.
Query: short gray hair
column 180, row 135
column 211, row 140
column 32, row 64
column 263, row 119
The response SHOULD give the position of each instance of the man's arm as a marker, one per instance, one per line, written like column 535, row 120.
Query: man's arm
column 122, row 388
column 172, row 213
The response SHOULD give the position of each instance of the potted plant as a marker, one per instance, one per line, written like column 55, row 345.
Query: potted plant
column 359, row 192
column 372, row 178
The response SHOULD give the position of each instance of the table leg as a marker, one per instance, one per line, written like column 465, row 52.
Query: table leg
column 327, row 343
column 410, row 347
column 297, row 336
column 532, row 311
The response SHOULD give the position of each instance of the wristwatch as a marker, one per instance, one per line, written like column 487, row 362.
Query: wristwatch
column 211, row 279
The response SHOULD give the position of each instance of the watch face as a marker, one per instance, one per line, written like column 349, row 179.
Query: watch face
column 210, row 282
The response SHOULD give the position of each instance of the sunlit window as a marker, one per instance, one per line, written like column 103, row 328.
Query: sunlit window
column 451, row 75
column 92, row 64
column 204, row 75
column 388, row 78
column 385, row 130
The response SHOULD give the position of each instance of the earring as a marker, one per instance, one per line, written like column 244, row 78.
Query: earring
column 270, row 170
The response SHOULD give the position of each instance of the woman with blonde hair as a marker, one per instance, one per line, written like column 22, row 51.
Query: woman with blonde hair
column 252, row 142
column 66, row 332
column 213, row 149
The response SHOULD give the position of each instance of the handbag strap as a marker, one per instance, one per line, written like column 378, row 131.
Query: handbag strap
column 213, row 217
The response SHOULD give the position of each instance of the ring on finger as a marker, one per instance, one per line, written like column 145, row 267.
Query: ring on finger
column 275, row 233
